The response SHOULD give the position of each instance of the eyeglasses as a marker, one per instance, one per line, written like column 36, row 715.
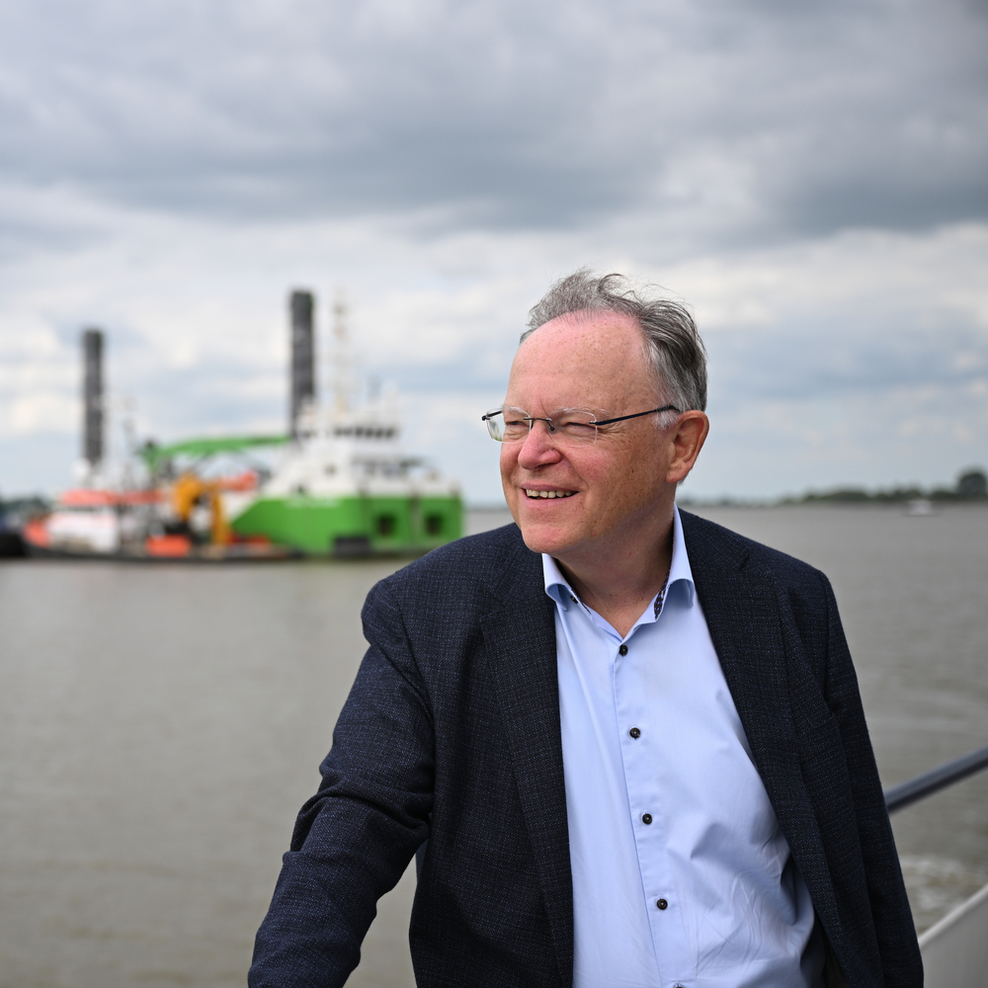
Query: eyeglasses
column 573, row 426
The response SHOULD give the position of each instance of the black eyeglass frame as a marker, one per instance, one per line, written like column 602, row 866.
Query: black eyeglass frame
column 532, row 419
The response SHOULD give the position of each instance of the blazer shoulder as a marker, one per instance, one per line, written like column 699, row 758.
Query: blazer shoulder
column 712, row 546
column 477, row 566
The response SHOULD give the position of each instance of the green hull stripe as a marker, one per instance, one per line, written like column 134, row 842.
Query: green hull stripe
column 352, row 525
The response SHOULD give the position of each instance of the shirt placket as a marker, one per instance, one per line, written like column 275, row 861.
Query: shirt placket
column 639, row 723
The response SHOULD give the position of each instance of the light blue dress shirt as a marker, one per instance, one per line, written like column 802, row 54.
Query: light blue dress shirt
column 681, row 873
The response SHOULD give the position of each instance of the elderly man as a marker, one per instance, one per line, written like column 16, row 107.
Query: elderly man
column 627, row 744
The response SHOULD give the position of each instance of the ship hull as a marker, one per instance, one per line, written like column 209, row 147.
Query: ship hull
column 354, row 525
column 196, row 554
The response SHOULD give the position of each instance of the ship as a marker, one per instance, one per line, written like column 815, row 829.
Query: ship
column 344, row 486
column 341, row 484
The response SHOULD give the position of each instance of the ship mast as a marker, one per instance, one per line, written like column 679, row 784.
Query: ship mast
column 341, row 383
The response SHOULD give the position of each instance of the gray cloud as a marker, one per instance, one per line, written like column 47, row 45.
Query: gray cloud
column 745, row 120
column 864, row 355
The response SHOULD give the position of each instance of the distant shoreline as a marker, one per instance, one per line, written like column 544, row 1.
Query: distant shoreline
column 971, row 488
column 835, row 498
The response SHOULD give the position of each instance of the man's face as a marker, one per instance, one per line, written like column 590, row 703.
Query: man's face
column 613, row 491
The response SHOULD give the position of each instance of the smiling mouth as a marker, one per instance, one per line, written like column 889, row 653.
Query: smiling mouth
column 548, row 494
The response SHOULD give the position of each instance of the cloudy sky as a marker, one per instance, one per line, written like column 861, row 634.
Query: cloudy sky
column 811, row 178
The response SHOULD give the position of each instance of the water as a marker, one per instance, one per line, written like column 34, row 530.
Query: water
column 160, row 726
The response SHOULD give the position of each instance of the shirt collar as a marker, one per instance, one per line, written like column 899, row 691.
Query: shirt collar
column 680, row 573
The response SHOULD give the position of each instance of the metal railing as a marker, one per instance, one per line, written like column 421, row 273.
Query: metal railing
column 939, row 778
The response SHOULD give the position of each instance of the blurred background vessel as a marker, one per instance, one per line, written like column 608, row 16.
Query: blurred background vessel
column 342, row 485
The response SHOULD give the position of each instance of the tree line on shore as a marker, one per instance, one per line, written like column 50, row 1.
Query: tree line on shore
column 972, row 485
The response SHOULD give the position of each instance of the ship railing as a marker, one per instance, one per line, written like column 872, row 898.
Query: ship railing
column 955, row 950
column 933, row 781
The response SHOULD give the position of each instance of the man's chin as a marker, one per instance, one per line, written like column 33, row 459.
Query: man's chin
column 543, row 538
column 541, row 532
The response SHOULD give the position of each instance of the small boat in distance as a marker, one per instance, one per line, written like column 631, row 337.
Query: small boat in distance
column 920, row 507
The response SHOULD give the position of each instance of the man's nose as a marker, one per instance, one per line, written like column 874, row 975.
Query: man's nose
column 539, row 446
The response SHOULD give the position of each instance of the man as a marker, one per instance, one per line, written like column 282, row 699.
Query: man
column 626, row 743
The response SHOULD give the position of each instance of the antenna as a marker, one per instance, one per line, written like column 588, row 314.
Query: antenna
column 341, row 356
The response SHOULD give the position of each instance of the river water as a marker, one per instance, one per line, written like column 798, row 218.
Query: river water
column 161, row 725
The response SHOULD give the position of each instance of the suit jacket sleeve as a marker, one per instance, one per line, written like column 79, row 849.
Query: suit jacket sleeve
column 839, row 829
column 895, row 934
column 451, row 734
column 355, row 837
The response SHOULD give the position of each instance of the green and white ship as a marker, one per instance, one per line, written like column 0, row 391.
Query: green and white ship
column 345, row 487
column 342, row 485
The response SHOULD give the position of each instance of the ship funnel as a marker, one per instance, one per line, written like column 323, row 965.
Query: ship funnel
column 92, row 396
column 303, row 357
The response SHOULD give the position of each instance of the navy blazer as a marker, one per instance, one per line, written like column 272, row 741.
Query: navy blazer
column 449, row 745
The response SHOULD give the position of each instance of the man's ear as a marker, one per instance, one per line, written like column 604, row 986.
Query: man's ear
column 687, row 437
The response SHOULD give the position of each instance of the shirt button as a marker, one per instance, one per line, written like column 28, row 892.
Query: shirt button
column 647, row 818
column 635, row 733
column 623, row 650
column 662, row 904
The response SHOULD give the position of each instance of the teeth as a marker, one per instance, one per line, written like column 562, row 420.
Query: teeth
column 549, row 493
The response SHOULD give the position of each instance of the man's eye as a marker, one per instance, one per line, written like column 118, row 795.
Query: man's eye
column 515, row 426
column 575, row 426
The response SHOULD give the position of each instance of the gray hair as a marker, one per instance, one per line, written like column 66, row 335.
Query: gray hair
column 674, row 353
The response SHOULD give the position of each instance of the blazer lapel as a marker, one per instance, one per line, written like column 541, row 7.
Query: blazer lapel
column 760, row 654
column 519, row 633
column 743, row 618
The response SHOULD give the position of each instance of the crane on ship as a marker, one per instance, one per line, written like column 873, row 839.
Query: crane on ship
column 191, row 490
